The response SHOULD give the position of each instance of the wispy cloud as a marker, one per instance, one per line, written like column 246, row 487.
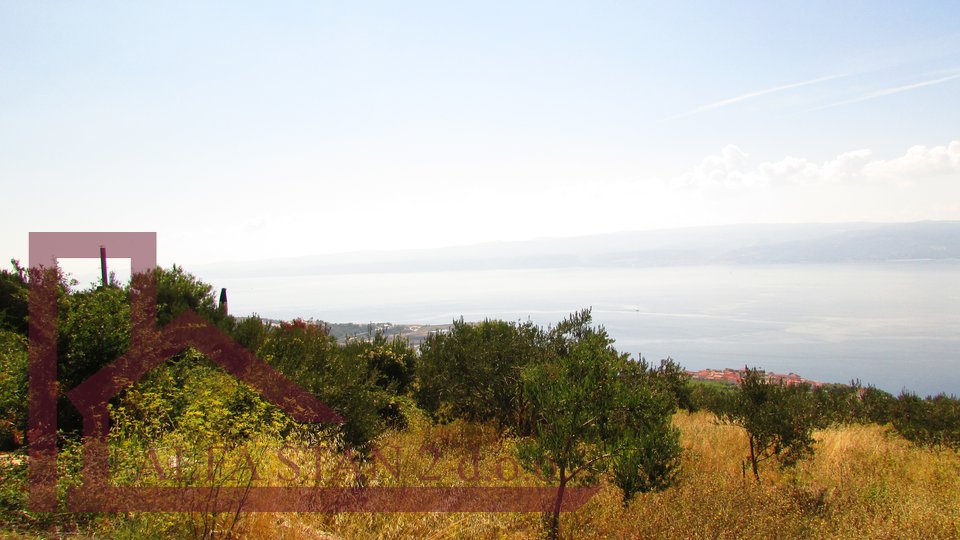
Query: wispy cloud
column 888, row 91
column 757, row 93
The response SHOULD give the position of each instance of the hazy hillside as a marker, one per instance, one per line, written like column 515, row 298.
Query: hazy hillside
column 735, row 244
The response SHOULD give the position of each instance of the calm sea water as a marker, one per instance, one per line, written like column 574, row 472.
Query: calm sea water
column 893, row 325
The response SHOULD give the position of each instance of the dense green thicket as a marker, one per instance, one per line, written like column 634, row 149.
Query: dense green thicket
column 360, row 379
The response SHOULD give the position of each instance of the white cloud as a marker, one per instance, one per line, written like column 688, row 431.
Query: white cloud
column 726, row 169
column 919, row 161
column 787, row 168
column 730, row 169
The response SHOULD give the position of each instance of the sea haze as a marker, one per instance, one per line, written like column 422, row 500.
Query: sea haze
column 830, row 302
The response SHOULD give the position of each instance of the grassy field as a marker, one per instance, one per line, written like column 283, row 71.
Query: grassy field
column 862, row 482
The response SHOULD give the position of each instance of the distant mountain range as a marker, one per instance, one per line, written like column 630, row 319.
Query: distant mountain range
column 733, row 244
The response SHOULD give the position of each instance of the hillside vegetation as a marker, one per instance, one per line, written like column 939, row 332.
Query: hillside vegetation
column 488, row 404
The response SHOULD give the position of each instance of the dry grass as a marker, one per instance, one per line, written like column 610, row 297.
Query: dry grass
column 862, row 482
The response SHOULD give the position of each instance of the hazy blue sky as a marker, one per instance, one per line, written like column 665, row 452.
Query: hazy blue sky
column 240, row 130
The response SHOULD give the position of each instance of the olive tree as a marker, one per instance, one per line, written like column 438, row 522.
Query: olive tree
column 595, row 413
column 473, row 372
column 779, row 419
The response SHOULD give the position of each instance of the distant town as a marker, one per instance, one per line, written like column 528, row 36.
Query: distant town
column 415, row 333
column 732, row 376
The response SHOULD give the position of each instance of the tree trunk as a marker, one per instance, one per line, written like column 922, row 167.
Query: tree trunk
column 753, row 460
column 553, row 533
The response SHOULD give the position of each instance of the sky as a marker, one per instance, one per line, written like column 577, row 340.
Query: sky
column 243, row 131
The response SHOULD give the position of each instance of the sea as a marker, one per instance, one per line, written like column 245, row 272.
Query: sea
column 894, row 325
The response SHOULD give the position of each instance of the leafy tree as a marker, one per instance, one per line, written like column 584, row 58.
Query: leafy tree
column 390, row 366
column 594, row 412
column 94, row 330
column 310, row 356
column 934, row 421
column 178, row 290
column 911, row 418
column 841, row 403
column 473, row 372
column 250, row 332
column 779, row 419
column 13, row 389
column 198, row 399
column 944, row 420
column 391, row 362
column 672, row 378
column 13, row 299
column 648, row 448
column 647, row 458
column 711, row 396
column 876, row 405
column 94, row 327
column 838, row 403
